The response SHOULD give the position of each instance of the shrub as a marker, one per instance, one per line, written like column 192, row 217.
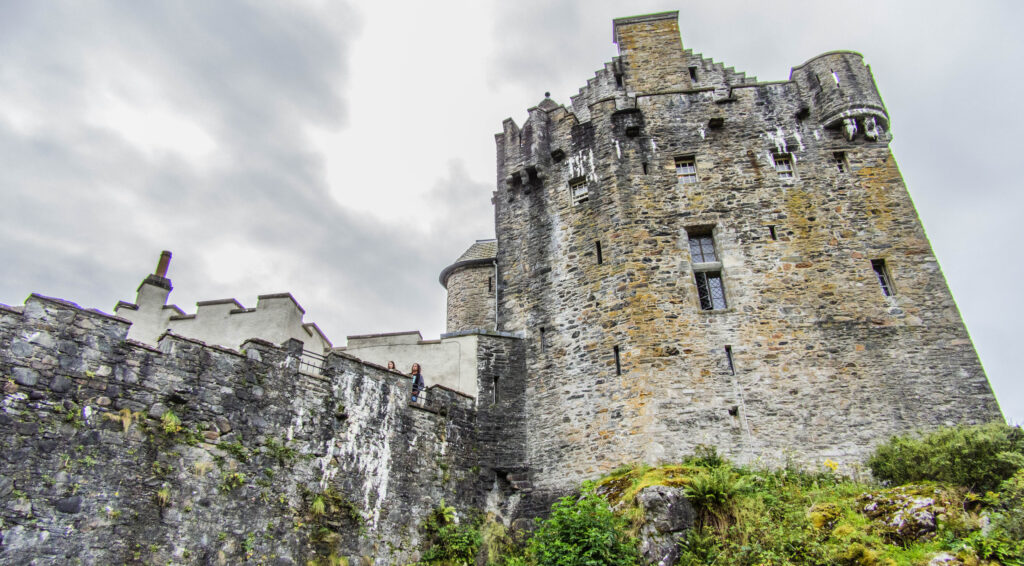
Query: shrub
column 713, row 492
column 451, row 543
column 582, row 531
column 976, row 457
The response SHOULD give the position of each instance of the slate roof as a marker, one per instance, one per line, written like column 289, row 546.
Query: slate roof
column 482, row 249
column 481, row 252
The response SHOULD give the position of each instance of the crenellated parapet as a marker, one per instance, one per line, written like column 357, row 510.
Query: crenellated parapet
column 276, row 317
column 177, row 450
column 695, row 257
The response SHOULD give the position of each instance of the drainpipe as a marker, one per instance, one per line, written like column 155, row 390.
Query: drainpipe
column 495, row 262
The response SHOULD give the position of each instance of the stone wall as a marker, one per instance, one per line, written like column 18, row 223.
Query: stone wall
column 95, row 470
column 809, row 359
column 471, row 298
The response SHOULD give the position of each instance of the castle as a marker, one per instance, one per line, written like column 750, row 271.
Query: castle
column 684, row 256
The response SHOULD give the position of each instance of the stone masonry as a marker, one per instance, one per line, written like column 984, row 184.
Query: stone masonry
column 685, row 256
column 92, row 473
column 797, row 350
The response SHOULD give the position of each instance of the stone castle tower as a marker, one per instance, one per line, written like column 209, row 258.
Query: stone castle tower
column 695, row 257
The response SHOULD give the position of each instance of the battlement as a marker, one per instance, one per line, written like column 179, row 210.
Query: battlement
column 90, row 409
column 276, row 317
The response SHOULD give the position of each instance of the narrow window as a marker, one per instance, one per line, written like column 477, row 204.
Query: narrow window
column 645, row 167
column 618, row 80
column 883, row 277
column 693, row 73
column 784, row 165
column 686, row 170
column 839, row 158
column 490, row 284
column 771, row 230
column 707, row 270
column 494, row 400
column 710, row 290
column 597, row 246
column 578, row 190
column 728, row 358
column 618, row 362
column 542, row 338
column 702, row 248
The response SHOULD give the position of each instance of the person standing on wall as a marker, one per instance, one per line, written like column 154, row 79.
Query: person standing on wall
column 417, row 381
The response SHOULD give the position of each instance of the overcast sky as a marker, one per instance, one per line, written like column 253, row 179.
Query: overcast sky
column 345, row 152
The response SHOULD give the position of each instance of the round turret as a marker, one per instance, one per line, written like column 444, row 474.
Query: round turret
column 472, row 288
column 842, row 93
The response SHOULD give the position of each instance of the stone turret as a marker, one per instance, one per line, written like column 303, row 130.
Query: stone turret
column 472, row 287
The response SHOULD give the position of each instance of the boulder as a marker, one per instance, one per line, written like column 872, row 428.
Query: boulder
column 667, row 515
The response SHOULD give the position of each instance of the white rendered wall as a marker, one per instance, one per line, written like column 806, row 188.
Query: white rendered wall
column 450, row 362
column 276, row 319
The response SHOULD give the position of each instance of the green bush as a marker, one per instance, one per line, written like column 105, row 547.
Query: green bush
column 450, row 542
column 977, row 457
column 582, row 531
column 713, row 491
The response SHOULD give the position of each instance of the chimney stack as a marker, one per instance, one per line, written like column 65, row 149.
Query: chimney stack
column 165, row 260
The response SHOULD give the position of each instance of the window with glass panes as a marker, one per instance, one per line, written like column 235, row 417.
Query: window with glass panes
column 702, row 248
column 784, row 165
column 686, row 170
column 707, row 271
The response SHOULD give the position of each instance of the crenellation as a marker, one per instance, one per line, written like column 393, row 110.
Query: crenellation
column 680, row 260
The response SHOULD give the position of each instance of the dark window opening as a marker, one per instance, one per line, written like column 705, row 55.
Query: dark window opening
column 702, row 248
column 632, row 131
column 558, row 155
column 771, row 230
column 600, row 259
column 618, row 80
column 693, row 73
column 710, row 290
column 618, row 362
column 490, row 284
column 734, row 411
column 839, row 158
column 494, row 389
column 644, row 164
column 883, row 277
column 728, row 358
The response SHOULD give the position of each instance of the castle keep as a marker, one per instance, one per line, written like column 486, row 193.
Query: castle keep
column 684, row 256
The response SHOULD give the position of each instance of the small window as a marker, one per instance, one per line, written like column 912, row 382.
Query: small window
column 693, row 73
column 702, row 248
column 883, row 277
column 495, row 399
column 618, row 80
column 579, row 191
column 597, row 248
column 728, row 359
column 618, row 362
column 490, row 284
column 710, row 290
column 839, row 158
column 645, row 167
column 686, row 170
column 771, row 230
column 707, row 270
column 784, row 165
